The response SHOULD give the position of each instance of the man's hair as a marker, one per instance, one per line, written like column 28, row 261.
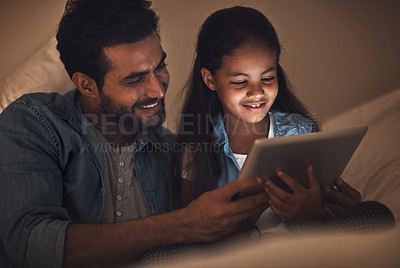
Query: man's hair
column 87, row 26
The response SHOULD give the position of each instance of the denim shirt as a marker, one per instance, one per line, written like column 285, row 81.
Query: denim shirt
column 285, row 124
column 51, row 175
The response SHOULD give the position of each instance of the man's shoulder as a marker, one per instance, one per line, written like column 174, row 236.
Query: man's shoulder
column 39, row 101
column 28, row 108
column 35, row 99
column 37, row 109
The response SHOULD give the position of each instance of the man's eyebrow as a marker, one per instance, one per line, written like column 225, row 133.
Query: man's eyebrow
column 162, row 61
column 134, row 75
column 272, row 68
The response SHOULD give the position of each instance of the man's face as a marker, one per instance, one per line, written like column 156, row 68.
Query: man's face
column 134, row 88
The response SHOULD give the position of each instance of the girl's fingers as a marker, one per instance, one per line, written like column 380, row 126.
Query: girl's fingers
column 276, row 200
column 277, row 210
column 278, row 191
column 343, row 187
column 335, row 209
column 338, row 197
column 311, row 176
column 329, row 213
column 295, row 186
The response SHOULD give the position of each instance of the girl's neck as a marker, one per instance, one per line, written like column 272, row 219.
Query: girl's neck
column 242, row 135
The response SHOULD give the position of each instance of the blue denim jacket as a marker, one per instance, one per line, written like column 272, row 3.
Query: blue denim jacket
column 285, row 124
column 50, row 176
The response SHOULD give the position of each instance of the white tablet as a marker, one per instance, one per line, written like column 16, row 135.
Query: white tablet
column 327, row 151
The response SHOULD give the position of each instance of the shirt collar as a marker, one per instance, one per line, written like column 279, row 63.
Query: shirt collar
column 68, row 107
column 219, row 132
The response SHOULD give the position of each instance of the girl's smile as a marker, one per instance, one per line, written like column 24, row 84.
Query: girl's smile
column 255, row 107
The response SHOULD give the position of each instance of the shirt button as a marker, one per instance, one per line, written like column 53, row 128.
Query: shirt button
column 121, row 164
column 119, row 213
column 119, row 198
column 120, row 180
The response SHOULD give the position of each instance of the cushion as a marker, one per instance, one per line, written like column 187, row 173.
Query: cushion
column 374, row 169
column 42, row 72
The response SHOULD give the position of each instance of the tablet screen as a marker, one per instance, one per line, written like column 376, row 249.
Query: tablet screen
column 327, row 151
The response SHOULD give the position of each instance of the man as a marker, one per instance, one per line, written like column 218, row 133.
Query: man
column 85, row 177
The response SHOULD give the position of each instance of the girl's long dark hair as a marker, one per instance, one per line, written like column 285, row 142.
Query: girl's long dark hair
column 196, row 156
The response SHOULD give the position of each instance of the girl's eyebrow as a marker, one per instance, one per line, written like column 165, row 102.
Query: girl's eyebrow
column 270, row 69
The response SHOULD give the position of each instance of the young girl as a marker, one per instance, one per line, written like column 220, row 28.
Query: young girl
column 237, row 93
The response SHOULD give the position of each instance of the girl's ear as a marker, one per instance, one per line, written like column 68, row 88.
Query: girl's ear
column 208, row 78
column 85, row 84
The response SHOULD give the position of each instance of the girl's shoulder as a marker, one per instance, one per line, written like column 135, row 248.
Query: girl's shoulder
column 286, row 124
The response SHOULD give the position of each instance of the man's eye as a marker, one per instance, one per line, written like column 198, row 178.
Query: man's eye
column 161, row 66
column 134, row 82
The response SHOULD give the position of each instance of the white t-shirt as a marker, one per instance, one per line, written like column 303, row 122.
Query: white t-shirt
column 269, row 224
column 240, row 158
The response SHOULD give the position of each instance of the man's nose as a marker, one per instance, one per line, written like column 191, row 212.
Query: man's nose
column 155, row 88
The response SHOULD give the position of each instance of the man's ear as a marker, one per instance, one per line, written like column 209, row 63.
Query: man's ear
column 208, row 78
column 85, row 84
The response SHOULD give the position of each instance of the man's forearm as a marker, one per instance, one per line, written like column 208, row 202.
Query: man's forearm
column 210, row 217
column 120, row 243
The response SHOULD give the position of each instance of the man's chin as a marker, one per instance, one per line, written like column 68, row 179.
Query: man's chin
column 151, row 122
column 130, row 123
column 145, row 123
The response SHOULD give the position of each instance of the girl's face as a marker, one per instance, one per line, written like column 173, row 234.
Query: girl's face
column 246, row 83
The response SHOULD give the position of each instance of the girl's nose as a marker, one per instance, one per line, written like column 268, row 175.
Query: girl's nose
column 255, row 91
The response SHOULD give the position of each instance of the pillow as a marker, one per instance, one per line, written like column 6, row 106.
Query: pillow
column 374, row 169
column 42, row 72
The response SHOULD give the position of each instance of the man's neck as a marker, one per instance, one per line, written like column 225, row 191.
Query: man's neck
column 115, row 137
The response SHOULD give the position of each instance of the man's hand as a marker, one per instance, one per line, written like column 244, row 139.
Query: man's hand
column 214, row 215
column 210, row 217
column 339, row 198
column 301, row 206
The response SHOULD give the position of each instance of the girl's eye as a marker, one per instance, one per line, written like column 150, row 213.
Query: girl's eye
column 268, row 79
column 240, row 83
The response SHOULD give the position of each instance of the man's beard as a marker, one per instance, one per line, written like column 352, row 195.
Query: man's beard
column 126, row 119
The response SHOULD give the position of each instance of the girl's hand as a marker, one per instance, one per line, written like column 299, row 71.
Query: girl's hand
column 302, row 206
column 339, row 198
